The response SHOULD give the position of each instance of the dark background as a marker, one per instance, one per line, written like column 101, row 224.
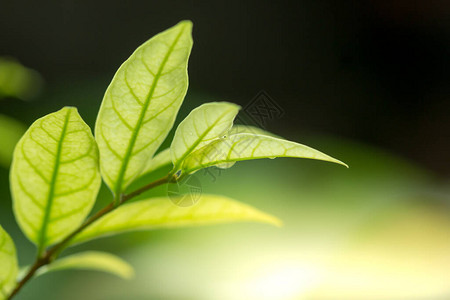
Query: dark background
column 372, row 71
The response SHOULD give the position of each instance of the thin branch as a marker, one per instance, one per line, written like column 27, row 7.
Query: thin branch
column 166, row 179
column 51, row 254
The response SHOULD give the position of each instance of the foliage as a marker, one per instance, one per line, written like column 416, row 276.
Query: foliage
column 8, row 261
column 91, row 260
column 58, row 165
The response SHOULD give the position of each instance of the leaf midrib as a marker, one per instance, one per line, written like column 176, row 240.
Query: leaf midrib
column 51, row 191
column 138, row 126
column 237, row 159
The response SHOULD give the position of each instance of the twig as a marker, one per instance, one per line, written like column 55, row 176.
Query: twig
column 50, row 255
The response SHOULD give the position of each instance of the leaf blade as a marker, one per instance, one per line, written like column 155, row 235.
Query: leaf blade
column 241, row 128
column 157, row 213
column 158, row 161
column 140, row 105
column 8, row 262
column 92, row 260
column 247, row 146
column 203, row 124
column 54, row 176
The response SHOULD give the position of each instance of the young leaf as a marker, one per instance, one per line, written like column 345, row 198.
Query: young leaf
column 54, row 176
column 158, row 161
column 140, row 105
column 162, row 213
column 246, row 146
column 91, row 260
column 8, row 264
column 205, row 123
column 240, row 128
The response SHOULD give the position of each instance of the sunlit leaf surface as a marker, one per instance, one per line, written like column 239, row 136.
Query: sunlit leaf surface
column 204, row 124
column 158, row 161
column 8, row 264
column 246, row 146
column 92, row 260
column 54, row 176
column 140, row 105
column 240, row 128
column 162, row 213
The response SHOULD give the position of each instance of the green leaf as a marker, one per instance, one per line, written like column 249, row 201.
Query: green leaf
column 17, row 80
column 158, row 161
column 8, row 264
column 10, row 132
column 204, row 124
column 54, row 177
column 140, row 105
column 246, row 146
column 157, row 213
column 91, row 260
column 240, row 128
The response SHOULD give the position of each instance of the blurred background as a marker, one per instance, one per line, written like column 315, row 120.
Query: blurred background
column 367, row 82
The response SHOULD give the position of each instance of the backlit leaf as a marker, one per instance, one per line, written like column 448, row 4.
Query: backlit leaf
column 246, row 146
column 240, row 128
column 157, row 213
column 54, row 176
column 8, row 264
column 92, row 260
column 140, row 105
column 204, row 124
column 158, row 161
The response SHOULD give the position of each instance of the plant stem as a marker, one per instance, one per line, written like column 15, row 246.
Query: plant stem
column 48, row 256
column 166, row 179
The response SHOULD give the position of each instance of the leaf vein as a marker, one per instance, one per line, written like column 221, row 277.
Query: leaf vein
column 135, row 97
column 35, row 169
column 45, row 221
column 31, row 196
column 121, row 118
column 47, row 132
column 79, row 189
column 148, row 144
column 135, row 134
column 108, row 145
column 256, row 147
column 68, row 214
column 40, row 145
column 87, row 154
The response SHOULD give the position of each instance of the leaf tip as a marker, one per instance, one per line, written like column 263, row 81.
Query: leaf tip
column 128, row 273
column 187, row 24
column 228, row 106
column 270, row 219
column 341, row 163
column 275, row 221
column 71, row 108
column 334, row 160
